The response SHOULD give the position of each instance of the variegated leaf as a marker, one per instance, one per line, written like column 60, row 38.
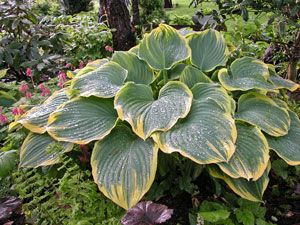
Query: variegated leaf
column 263, row 112
column 124, row 166
column 163, row 48
column 136, row 105
column 208, row 133
column 83, row 120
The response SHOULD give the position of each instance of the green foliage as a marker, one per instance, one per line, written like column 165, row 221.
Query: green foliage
column 85, row 38
column 235, row 212
column 63, row 194
column 76, row 6
column 152, row 11
column 45, row 43
column 180, row 20
column 26, row 43
column 229, row 124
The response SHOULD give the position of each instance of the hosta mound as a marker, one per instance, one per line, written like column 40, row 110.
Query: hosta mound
column 160, row 96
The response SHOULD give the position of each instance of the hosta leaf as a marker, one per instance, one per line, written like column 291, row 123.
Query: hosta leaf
column 135, row 49
column 208, row 49
column 216, row 94
column 163, row 47
column 288, row 146
column 36, row 118
column 251, row 190
column 138, row 71
column 124, row 166
column 136, row 105
column 263, row 112
column 208, row 133
column 8, row 161
column 175, row 72
column 246, row 73
column 92, row 66
column 191, row 76
column 104, row 82
column 82, row 120
column 280, row 82
column 251, row 155
column 42, row 150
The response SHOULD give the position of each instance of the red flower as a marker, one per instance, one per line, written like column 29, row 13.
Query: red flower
column 17, row 111
column 28, row 72
column 24, row 88
column 81, row 64
column 3, row 119
column 28, row 95
column 109, row 48
column 68, row 65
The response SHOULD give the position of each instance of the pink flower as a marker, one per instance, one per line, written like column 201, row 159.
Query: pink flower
column 68, row 65
column 17, row 111
column 45, row 92
column 3, row 119
column 28, row 72
column 60, row 85
column 24, row 88
column 81, row 64
column 109, row 48
column 62, row 77
column 42, row 87
column 28, row 95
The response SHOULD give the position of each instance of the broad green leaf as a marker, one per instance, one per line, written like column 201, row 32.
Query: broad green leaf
column 124, row 166
column 104, row 82
column 251, row 190
column 163, row 48
column 261, row 111
column 42, row 150
column 138, row 71
column 82, row 120
column 6, row 100
column 247, row 161
column 36, row 118
column 208, row 49
column 135, row 49
column 288, row 146
column 215, row 216
column 191, row 76
column 3, row 73
column 208, row 133
column 245, row 74
column 216, row 94
column 92, row 66
column 8, row 161
column 175, row 72
column 136, row 105
column 280, row 82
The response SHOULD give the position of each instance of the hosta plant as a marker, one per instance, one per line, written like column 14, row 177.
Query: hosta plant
column 171, row 93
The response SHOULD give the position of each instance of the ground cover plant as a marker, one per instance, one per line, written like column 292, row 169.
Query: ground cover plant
column 171, row 93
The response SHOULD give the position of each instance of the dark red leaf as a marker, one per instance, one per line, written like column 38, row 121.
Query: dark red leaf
column 147, row 213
